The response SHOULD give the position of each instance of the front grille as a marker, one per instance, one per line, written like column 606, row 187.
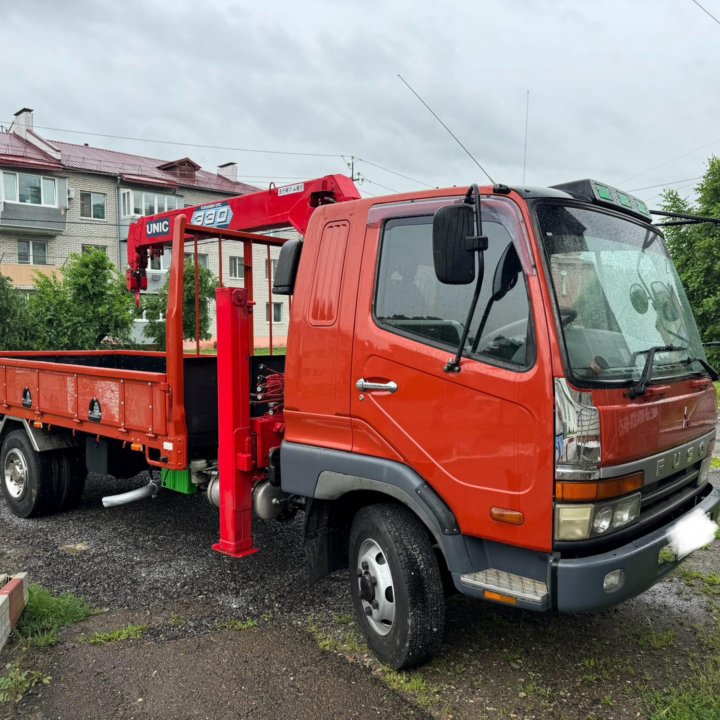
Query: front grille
column 661, row 498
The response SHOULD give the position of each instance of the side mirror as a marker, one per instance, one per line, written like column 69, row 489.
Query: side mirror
column 453, row 255
column 287, row 266
column 506, row 273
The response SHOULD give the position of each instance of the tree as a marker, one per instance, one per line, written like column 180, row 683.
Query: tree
column 155, row 306
column 87, row 306
column 695, row 250
column 14, row 318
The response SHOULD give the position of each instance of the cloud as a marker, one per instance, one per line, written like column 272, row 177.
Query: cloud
column 614, row 88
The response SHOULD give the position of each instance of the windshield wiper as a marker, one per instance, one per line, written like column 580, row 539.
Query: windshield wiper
column 707, row 367
column 646, row 375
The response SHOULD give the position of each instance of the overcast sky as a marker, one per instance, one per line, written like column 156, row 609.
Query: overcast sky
column 624, row 91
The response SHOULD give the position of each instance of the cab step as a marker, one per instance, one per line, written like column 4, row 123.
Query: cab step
column 504, row 583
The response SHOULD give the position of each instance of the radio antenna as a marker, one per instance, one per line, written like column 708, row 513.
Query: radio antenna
column 452, row 135
column 527, row 116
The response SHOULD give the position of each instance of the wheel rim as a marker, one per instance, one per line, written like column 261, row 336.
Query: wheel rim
column 375, row 583
column 16, row 472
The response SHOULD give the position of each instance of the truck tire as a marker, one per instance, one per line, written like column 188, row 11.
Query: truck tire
column 26, row 477
column 396, row 585
column 71, row 475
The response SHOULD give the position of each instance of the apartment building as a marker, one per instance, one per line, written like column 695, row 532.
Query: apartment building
column 59, row 198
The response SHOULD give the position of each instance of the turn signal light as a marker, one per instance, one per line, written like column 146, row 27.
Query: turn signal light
column 504, row 515
column 599, row 490
column 137, row 447
column 499, row 597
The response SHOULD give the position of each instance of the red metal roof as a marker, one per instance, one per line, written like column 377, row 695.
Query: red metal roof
column 16, row 152
column 134, row 169
column 111, row 162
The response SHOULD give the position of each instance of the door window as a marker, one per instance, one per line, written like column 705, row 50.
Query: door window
column 411, row 301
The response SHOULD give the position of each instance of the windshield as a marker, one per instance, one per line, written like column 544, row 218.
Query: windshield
column 618, row 296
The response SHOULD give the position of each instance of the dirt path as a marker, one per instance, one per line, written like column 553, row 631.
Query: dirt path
column 299, row 654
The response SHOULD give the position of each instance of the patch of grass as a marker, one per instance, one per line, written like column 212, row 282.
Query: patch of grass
column 128, row 632
column 341, row 641
column 15, row 682
column 714, row 463
column 177, row 620
column 656, row 640
column 697, row 699
column 411, row 683
column 708, row 583
column 344, row 619
column 239, row 624
column 696, row 696
column 46, row 613
column 606, row 668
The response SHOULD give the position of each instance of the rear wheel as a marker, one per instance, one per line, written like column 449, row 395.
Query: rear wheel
column 71, row 475
column 396, row 585
column 26, row 478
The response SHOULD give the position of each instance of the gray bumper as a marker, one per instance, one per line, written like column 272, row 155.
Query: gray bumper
column 579, row 583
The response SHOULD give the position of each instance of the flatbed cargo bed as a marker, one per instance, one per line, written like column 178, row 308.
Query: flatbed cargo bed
column 124, row 395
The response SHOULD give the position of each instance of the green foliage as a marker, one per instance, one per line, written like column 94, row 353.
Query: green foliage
column 696, row 252
column 239, row 624
column 128, row 632
column 156, row 306
column 85, row 307
column 15, row 682
column 46, row 613
column 14, row 328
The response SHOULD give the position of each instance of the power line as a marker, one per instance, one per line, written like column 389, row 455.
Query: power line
column 220, row 147
column 707, row 12
column 393, row 172
column 186, row 144
column 372, row 182
column 669, row 162
column 674, row 182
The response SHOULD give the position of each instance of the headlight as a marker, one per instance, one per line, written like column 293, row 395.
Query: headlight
column 626, row 511
column 580, row 522
column 603, row 519
column 572, row 522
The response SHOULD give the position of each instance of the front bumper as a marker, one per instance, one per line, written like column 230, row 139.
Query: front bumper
column 578, row 583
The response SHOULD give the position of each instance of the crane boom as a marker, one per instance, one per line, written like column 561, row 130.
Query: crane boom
column 286, row 206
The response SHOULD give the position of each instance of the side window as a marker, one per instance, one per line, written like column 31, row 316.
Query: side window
column 410, row 300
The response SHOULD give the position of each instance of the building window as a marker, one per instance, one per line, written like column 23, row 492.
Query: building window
column 32, row 252
column 29, row 189
column 89, row 248
column 237, row 267
column 136, row 203
column 268, row 266
column 202, row 259
column 161, row 262
column 92, row 205
column 277, row 312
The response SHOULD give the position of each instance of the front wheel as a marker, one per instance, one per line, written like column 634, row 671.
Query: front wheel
column 396, row 585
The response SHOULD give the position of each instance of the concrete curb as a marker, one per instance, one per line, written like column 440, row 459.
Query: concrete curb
column 13, row 598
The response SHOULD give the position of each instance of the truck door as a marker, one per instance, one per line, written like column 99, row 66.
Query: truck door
column 483, row 437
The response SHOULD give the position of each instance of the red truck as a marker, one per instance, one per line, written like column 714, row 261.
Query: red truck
column 500, row 391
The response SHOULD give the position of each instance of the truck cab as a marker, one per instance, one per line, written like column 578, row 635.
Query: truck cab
column 533, row 451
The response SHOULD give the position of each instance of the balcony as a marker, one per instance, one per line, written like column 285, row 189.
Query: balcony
column 22, row 275
column 37, row 219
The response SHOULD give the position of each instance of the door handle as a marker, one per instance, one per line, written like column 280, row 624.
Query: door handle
column 363, row 386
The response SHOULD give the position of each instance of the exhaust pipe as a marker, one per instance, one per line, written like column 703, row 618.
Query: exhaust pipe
column 149, row 490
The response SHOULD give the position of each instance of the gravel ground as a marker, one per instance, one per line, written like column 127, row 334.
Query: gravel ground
column 150, row 563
